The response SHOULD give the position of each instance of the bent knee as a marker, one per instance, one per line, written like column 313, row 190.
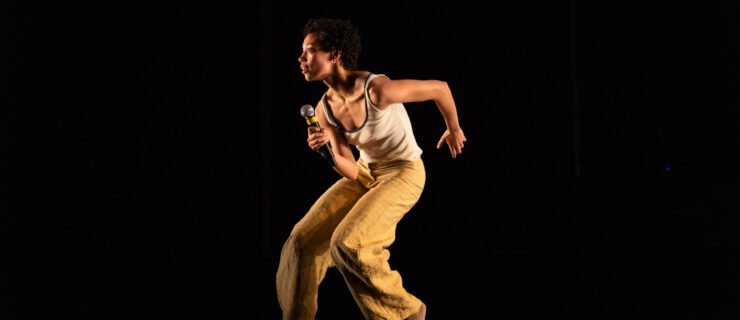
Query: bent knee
column 297, row 243
column 341, row 247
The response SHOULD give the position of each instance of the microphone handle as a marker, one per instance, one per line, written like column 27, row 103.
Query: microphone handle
column 326, row 150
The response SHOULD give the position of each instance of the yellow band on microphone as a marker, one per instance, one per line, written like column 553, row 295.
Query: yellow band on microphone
column 311, row 121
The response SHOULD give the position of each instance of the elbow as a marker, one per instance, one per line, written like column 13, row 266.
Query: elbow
column 441, row 92
column 444, row 85
column 444, row 89
column 350, row 176
column 349, row 172
column 354, row 174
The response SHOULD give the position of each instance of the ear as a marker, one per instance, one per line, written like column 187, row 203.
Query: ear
column 336, row 54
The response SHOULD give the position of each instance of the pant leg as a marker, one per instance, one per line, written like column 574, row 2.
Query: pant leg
column 305, row 255
column 358, row 245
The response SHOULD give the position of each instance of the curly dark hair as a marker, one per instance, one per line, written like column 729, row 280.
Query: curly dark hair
column 336, row 34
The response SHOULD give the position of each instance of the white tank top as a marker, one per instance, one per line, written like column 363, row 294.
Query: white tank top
column 385, row 135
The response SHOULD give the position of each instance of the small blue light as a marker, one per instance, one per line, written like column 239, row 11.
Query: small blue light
column 667, row 168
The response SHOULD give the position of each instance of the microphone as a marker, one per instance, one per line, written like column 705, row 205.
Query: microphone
column 308, row 113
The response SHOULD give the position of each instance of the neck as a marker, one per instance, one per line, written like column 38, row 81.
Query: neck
column 342, row 82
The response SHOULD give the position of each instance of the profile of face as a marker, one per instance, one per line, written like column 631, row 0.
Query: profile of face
column 315, row 63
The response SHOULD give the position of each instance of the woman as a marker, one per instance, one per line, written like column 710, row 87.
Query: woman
column 351, row 225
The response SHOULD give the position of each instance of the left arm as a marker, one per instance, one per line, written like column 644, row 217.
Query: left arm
column 386, row 92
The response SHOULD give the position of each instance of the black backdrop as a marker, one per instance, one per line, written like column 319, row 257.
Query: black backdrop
column 153, row 158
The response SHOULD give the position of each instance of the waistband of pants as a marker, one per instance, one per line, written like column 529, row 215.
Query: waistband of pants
column 386, row 164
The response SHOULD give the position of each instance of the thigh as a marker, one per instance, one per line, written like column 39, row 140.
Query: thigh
column 374, row 217
column 314, row 230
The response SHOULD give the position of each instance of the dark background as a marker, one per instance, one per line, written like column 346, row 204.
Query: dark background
column 154, row 161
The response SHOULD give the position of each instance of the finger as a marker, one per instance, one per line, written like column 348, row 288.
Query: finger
column 316, row 145
column 318, row 142
column 317, row 135
column 441, row 140
column 313, row 142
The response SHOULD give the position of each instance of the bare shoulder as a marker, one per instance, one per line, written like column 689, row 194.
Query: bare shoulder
column 375, row 91
column 320, row 111
column 321, row 117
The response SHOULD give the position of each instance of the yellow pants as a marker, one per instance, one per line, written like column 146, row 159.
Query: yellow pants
column 350, row 226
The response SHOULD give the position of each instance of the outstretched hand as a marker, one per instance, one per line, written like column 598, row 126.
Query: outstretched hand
column 455, row 140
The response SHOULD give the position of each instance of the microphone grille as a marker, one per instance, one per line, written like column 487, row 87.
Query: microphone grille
column 307, row 111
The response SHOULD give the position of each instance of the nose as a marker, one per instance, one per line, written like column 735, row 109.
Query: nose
column 302, row 58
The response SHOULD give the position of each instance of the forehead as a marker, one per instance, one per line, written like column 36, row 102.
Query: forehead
column 310, row 40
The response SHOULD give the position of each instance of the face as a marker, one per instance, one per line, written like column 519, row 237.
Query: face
column 315, row 63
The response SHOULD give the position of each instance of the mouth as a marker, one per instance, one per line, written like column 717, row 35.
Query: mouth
column 304, row 70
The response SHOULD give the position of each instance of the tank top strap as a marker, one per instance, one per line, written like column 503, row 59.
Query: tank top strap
column 370, row 78
column 327, row 111
column 367, row 95
column 330, row 116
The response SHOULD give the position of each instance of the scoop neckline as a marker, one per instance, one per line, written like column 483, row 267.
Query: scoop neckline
column 367, row 112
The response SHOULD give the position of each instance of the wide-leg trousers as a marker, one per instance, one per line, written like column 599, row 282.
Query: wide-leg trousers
column 351, row 226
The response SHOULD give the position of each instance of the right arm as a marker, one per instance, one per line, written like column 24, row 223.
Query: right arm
column 346, row 163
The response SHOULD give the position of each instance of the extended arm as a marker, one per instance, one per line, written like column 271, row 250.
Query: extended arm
column 386, row 92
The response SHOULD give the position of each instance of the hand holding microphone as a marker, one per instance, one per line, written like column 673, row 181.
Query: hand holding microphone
column 317, row 139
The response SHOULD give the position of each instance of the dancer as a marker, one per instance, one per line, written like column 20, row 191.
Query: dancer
column 353, row 223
